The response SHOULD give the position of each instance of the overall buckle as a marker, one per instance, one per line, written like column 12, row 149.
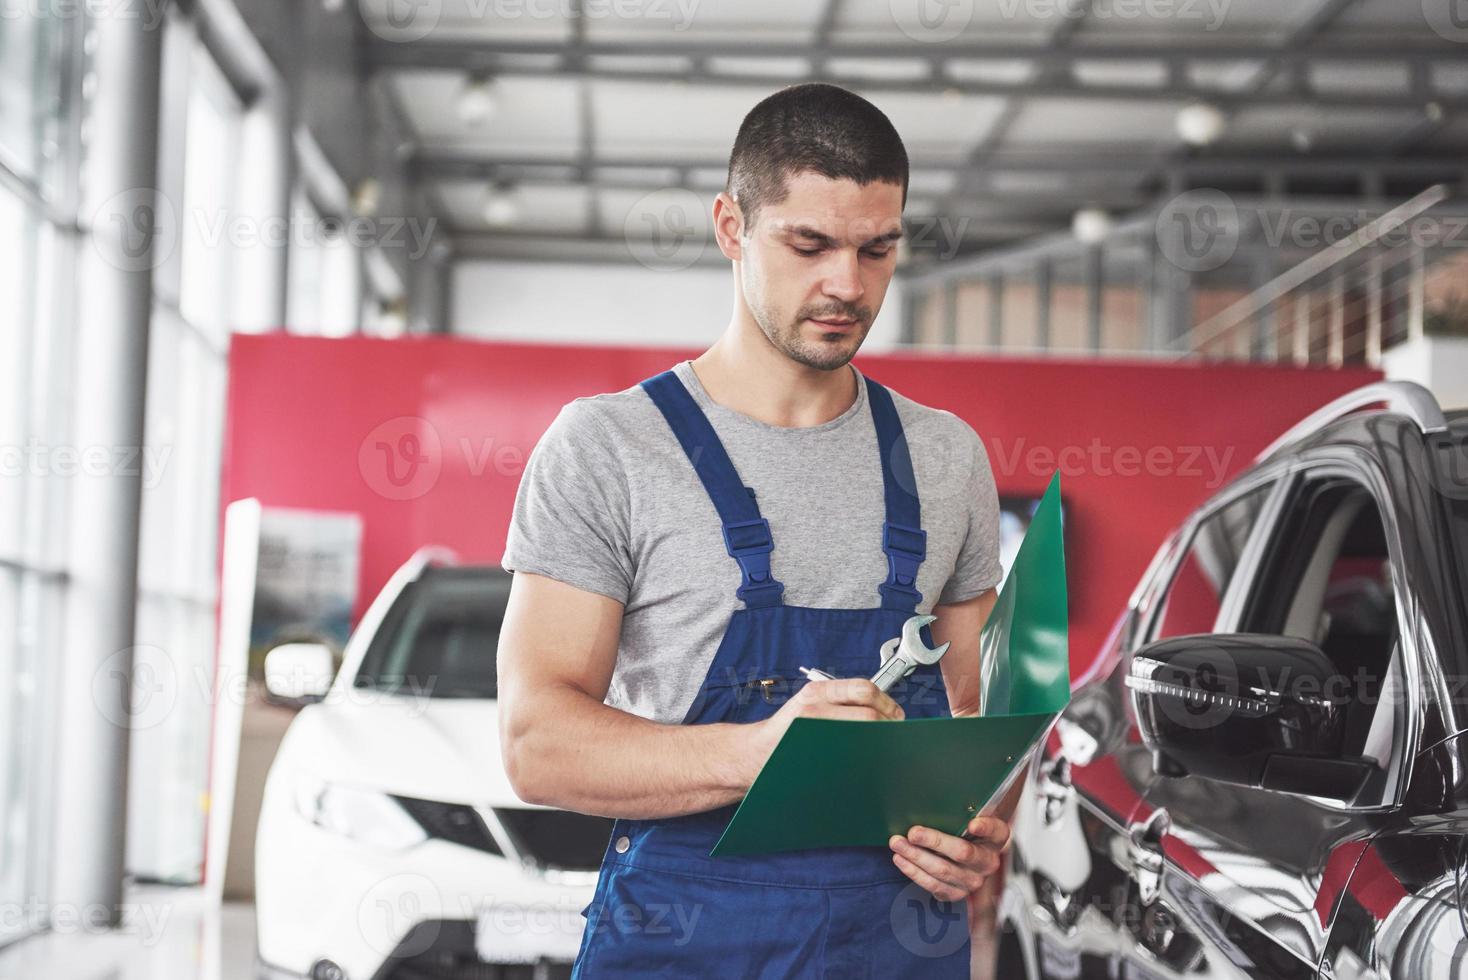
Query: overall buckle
column 905, row 547
column 750, row 544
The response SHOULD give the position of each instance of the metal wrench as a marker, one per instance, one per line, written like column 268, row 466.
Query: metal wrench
column 901, row 656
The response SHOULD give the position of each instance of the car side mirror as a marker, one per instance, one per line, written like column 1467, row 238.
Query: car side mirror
column 300, row 672
column 1250, row 709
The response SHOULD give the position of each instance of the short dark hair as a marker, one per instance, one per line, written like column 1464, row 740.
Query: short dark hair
column 812, row 127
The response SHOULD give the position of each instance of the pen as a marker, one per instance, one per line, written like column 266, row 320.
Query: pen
column 813, row 674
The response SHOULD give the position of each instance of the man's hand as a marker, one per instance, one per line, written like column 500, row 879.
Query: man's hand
column 849, row 699
column 952, row 867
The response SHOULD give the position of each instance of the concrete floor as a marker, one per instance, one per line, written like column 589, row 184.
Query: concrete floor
column 168, row 934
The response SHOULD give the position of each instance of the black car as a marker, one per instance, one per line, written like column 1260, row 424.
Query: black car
column 1266, row 772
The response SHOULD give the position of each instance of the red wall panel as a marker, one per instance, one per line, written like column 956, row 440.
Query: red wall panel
column 426, row 437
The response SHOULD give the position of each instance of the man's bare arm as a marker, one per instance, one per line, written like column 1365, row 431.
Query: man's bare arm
column 563, row 747
column 960, row 623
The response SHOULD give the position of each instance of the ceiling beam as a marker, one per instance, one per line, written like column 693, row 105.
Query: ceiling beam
column 1308, row 32
column 1058, row 83
column 470, row 53
column 1074, row 160
column 970, row 178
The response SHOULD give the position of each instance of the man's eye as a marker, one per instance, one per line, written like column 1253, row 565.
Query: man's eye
column 878, row 254
column 808, row 251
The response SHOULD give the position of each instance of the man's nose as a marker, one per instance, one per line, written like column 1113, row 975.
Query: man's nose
column 843, row 279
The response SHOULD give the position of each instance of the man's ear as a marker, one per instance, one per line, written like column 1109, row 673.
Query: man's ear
column 728, row 226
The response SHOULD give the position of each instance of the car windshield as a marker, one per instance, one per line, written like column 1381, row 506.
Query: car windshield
column 439, row 638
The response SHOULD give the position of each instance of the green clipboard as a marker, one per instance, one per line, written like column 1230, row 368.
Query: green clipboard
column 840, row 783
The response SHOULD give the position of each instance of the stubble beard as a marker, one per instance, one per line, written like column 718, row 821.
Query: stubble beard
column 787, row 339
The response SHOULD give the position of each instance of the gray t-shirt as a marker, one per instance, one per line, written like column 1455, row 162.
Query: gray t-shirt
column 609, row 503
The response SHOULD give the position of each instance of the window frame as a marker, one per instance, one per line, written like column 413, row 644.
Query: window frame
column 1151, row 597
column 1357, row 465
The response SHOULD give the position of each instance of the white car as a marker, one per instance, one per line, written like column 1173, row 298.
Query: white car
column 390, row 843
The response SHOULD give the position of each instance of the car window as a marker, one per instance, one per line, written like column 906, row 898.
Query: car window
column 1194, row 597
column 439, row 637
column 1327, row 578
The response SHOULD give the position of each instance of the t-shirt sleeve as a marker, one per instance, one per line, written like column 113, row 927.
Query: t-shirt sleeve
column 977, row 569
column 570, row 521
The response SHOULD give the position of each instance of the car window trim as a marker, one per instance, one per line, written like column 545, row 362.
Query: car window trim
column 1230, row 494
column 1359, row 466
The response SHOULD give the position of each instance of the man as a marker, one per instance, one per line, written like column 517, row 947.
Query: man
column 682, row 547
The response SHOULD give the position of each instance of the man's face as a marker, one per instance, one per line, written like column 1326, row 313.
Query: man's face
column 816, row 266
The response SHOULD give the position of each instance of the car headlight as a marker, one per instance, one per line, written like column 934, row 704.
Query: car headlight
column 364, row 815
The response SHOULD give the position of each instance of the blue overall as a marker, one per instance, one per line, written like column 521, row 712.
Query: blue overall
column 663, row 907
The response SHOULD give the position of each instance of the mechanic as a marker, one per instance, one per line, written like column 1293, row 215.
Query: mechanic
column 682, row 547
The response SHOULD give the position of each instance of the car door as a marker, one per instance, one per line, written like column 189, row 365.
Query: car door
column 1073, row 865
column 1253, row 875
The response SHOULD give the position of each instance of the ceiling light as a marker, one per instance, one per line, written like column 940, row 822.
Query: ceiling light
column 500, row 209
column 1301, row 139
column 1090, row 225
column 477, row 100
column 1200, row 124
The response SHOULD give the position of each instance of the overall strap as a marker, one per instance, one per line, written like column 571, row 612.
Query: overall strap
column 746, row 533
column 903, row 539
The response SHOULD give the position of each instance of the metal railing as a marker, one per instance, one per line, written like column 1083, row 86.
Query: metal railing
column 1306, row 281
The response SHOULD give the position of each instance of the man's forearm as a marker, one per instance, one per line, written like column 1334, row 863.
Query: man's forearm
column 574, row 752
